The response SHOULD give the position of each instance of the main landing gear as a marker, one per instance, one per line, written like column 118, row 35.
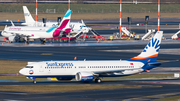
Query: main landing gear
column 26, row 40
column 34, row 81
column 43, row 41
column 98, row 80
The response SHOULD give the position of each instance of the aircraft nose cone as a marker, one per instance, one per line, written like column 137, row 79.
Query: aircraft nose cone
column 22, row 71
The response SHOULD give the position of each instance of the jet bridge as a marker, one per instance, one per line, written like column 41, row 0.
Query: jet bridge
column 150, row 32
column 125, row 31
column 78, row 34
column 94, row 32
column 176, row 35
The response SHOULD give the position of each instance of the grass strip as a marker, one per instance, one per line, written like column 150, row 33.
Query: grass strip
column 11, row 66
column 60, row 88
column 20, row 16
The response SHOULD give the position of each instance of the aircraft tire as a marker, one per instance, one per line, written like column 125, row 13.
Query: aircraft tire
column 27, row 42
column 98, row 80
column 34, row 81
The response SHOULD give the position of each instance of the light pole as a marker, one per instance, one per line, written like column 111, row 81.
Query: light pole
column 158, row 15
column 36, row 12
column 120, row 19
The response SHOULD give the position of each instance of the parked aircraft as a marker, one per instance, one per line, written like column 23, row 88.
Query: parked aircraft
column 75, row 26
column 27, row 33
column 93, row 70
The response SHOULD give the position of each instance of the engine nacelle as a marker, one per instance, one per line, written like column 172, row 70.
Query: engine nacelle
column 84, row 76
column 12, row 38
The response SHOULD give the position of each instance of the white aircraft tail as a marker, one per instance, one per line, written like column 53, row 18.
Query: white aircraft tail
column 27, row 15
column 150, row 52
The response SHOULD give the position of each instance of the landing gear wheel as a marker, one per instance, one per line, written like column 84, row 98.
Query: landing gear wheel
column 34, row 81
column 43, row 41
column 98, row 80
column 26, row 40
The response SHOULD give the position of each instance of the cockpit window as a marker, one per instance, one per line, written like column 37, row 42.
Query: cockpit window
column 29, row 67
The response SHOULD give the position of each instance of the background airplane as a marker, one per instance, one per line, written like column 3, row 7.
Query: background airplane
column 92, row 70
column 31, row 32
column 75, row 26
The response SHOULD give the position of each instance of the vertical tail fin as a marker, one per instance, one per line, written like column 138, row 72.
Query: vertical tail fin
column 151, row 50
column 27, row 15
column 66, row 20
column 64, row 26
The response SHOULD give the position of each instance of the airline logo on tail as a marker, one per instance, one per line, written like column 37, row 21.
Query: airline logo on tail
column 150, row 52
column 64, row 25
column 26, row 14
column 154, row 44
column 28, row 17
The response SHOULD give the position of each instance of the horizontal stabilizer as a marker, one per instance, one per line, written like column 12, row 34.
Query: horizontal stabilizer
column 155, row 63
column 169, row 61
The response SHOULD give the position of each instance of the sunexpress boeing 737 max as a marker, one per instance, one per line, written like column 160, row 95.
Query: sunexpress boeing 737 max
column 93, row 70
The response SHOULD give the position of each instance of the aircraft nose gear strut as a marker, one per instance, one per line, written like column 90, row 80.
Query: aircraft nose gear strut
column 26, row 40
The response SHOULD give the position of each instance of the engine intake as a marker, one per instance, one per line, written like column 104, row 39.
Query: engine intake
column 84, row 76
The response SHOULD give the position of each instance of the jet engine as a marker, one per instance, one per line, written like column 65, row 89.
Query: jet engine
column 12, row 38
column 84, row 76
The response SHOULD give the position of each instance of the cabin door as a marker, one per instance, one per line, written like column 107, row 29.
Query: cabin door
column 41, row 69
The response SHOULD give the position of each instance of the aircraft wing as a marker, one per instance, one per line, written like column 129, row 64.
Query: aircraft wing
column 111, row 71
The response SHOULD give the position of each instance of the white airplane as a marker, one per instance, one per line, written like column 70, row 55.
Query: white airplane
column 92, row 70
column 38, row 32
column 75, row 26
